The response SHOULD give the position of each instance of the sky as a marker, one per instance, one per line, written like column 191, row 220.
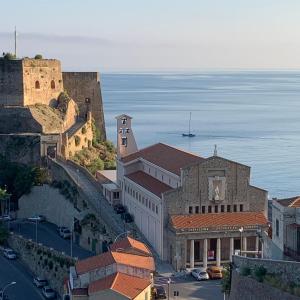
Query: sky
column 155, row 35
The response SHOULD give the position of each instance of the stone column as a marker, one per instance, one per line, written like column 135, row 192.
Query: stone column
column 218, row 252
column 205, row 253
column 231, row 248
column 192, row 254
column 245, row 245
column 256, row 244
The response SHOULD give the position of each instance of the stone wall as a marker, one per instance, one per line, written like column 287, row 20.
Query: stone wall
column 43, row 261
column 11, row 82
column 245, row 288
column 42, row 81
column 84, row 88
column 21, row 148
column 289, row 271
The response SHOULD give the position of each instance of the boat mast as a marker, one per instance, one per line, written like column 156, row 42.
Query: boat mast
column 190, row 123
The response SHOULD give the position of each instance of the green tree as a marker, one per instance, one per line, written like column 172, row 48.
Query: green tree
column 3, row 198
column 9, row 56
column 38, row 56
column 3, row 234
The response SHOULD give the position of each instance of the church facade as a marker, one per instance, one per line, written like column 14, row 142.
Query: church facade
column 194, row 211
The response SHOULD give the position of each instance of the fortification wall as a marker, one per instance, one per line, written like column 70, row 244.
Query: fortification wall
column 11, row 82
column 84, row 88
column 42, row 81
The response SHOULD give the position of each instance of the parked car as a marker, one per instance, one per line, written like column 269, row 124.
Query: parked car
column 40, row 282
column 9, row 253
column 214, row 272
column 159, row 292
column 127, row 217
column 37, row 218
column 65, row 233
column 119, row 209
column 200, row 274
column 6, row 218
column 48, row 292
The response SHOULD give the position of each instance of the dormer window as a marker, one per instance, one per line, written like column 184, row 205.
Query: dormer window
column 124, row 120
column 124, row 141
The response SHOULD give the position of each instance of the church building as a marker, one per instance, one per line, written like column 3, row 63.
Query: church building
column 194, row 211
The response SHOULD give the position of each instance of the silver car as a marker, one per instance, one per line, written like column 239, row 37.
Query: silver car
column 40, row 282
column 48, row 292
column 200, row 274
column 9, row 253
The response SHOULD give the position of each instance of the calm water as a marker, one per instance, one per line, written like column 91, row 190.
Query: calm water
column 254, row 118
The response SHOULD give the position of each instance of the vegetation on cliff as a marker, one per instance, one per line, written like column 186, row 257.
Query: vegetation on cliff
column 101, row 155
column 8, row 56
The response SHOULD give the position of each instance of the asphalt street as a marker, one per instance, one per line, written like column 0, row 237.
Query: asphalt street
column 13, row 270
column 48, row 236
column 189, row 288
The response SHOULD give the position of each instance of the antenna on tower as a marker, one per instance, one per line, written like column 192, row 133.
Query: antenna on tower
column 15, row 42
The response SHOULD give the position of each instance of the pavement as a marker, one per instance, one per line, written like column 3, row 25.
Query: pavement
column 13, row 270
column 47, row 235
column 189, row 288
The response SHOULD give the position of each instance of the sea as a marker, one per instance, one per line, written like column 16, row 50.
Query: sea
column 252, row 116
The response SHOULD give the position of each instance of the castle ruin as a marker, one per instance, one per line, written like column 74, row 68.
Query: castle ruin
column 44, row 111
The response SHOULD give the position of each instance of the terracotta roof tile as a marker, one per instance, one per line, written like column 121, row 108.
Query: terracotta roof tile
column 218, row 220
column 165, row 156
column 109, row 258
column 129, row 286
column 149, row 183
column 128, row 243
column 290, row 202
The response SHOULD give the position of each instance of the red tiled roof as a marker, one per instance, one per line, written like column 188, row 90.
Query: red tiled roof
column 149, row 183
column 218, row 220
column 129, row 243
column 290, row 202
column 165, row 156
column 109, row 258
column 129, row 286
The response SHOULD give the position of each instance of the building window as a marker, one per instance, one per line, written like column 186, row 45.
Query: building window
column 277, row 227
column 37, row 85
column 140, row 197
column 116, row 195
column 222, row 208
column 156, row 209
column 209, row 209
column 190, row 209
column 228, row 208
column 203, row 209
column 143, row 200
column 89, row 240
column 149, row 171
column 124, row 141
column 216, row 209
column 153, row 207
column 241, row 207
column 234, row 207
column 162, row 177
column 52, row 84
column 133, row 194
column 146, row 202
column 197, row 209
column 124, row 121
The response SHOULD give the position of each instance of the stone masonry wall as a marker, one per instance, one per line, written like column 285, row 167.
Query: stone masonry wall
column 245, row 288
column 42, row 261
column 82, row 86
column 11, row 82
column 42, row 81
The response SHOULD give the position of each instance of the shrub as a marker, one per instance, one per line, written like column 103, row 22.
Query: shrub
column 38, row 56
column 245, row 271
column 296, row 291
column 259, row 273
column 77, row 140
column 9, row 56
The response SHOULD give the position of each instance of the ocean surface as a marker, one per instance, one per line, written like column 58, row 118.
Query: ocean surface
column 252, row 117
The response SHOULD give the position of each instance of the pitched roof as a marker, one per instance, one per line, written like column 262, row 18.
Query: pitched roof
column 165, row 156
column 290, row 202
column 129, row 286
column 213, row 220
column 149, row 183
column 128, row 243
column 111, row 257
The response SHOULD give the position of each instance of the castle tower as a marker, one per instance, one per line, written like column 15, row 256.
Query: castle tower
column 125, row 142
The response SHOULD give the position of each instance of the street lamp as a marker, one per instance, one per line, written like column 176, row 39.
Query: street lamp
column 241, row 232
column 5, row 287
column 169, row 281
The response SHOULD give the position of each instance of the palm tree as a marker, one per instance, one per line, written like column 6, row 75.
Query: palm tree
column 3, row 198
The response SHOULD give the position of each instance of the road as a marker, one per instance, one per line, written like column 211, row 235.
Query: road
column 191, row 289
column 48, row 236
column 13, row 270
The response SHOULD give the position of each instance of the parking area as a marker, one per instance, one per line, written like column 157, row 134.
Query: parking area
column 189, row 288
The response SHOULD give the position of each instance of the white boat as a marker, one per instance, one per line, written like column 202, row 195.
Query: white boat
column 189, row 134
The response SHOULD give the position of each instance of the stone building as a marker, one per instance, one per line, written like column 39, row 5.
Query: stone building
column 286, row 227
column 52, row 108
column 193, row 210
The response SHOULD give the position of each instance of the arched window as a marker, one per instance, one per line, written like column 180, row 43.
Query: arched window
column 37, row 84
column 52, row 84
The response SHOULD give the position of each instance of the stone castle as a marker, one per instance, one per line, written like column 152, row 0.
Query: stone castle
column 44, row 111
